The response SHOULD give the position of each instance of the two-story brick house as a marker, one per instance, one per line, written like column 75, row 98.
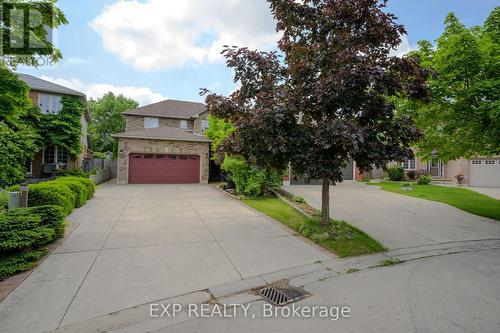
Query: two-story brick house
column 47, row 96
column 163, row 143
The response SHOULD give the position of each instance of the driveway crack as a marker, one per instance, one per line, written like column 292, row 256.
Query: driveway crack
column 212, row 235
column 95, row 258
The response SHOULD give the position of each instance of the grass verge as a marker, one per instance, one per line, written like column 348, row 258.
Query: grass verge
column 340, row 237
column 461, row 198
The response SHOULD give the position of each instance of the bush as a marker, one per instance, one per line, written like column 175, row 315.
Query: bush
column 4, row 201
column 19, row 231
column 89, row 184
column 72, row 173
column 396, row 173
column 248, row 179
column 423, row 172
column 52, row 193
column 77, row 187
column 424, row 180
column 24, row 233
column 299, row 199
column 411, row 174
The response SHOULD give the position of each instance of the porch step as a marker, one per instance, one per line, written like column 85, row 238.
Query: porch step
column 443, row 181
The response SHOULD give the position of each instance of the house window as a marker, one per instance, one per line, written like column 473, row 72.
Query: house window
column 184, row 124
column 29, row 168
column 49, row 104
column 204, row 125
column 150, row 122
column 55, row 155
column 410, row 164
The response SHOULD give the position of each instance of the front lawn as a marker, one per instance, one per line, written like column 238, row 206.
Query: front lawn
column 340, row 238
column 461, row 198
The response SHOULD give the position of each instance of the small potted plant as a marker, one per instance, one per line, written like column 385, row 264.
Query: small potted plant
column 406, row 186
column 460, row 179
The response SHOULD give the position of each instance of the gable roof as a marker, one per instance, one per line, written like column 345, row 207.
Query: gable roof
column 170, row 108
column 163, row 133
column 42, row 85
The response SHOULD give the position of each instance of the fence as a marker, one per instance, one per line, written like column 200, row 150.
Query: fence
column 103, row 169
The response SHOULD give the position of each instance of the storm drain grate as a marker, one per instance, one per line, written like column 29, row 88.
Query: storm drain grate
column 281, row 296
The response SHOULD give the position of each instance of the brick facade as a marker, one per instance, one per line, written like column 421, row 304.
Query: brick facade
column 126, row 146
column 137, row 122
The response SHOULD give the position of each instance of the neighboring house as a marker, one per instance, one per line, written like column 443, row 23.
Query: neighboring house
column 47, row 96
column 163, row 143
column 481, row 171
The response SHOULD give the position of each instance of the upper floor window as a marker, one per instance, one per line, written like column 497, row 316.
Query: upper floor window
column 150, row 122
column 410, row 164
column 184, row 124
column 49, row 103
column 204, row 125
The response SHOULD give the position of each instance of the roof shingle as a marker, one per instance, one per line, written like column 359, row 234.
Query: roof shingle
column 169, row 109
column 42, row 85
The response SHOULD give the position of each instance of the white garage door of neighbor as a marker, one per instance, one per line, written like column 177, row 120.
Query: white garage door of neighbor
column 484, row 172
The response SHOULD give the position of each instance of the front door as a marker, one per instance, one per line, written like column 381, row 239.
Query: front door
column 435, row 167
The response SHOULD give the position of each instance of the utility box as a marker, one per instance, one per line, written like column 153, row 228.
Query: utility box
column 14, row 198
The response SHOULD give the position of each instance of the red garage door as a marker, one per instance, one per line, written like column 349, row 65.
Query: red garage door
column 163, row 169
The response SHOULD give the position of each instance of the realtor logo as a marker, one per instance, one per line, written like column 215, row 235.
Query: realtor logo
column 24, row 28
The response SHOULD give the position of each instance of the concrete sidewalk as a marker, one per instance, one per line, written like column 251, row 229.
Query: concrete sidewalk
column 397, row 220
column 141, row 243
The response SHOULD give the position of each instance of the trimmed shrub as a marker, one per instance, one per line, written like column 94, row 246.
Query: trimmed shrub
column 51, row 216
column 424, row 180
column 89, row 184
column 52, row 193
column 396, row 173
column 4, row 201
column 24, row 233
column 19, row 231
column 77, row 187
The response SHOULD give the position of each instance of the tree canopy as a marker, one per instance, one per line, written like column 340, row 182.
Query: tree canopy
column 327, row 101
column 463, row 117
column 18, row 137
column 107, row 119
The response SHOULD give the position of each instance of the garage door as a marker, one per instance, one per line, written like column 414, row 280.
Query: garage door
column 484, row 172
column 164, row 169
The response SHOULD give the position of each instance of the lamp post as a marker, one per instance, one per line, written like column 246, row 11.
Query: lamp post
column 23, row 200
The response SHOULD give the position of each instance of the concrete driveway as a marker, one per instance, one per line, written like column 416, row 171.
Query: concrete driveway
column 397, row 220
column 141, row 243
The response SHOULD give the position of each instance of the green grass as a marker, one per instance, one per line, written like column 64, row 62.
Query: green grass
column 390, row 262
column 340, row 238
column 461, row 198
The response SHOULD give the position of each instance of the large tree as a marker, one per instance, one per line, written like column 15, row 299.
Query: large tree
column 328, row 101
column 107, row 119
column 463, row 118
column 19, row 140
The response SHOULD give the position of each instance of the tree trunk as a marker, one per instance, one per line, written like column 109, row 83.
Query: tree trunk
column 325, row 203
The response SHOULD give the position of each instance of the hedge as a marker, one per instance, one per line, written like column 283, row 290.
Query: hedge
column 4, row 201
column 24, row 234
column 52, row 193
column 77, row 187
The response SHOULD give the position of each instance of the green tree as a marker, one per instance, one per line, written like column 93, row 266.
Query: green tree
column 463, row 118
column 43, row 14
column 18, row 138
column 107, row 119
column 327, row 101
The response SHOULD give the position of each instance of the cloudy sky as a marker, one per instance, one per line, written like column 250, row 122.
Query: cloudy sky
column 152, row 50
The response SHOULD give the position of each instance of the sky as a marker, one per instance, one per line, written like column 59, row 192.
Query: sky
column 152, row 50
